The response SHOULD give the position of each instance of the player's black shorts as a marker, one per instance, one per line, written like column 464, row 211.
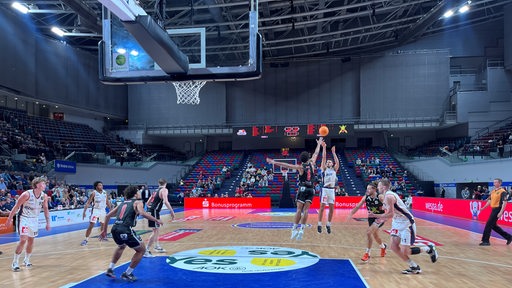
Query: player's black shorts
column 124, row 235
column 305, row 194
column 156, row 214
column 372, row 220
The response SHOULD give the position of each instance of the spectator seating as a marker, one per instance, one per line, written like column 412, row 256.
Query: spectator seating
column 210, row 165
column 488, row 142
column 397, row 173
column 433, row 148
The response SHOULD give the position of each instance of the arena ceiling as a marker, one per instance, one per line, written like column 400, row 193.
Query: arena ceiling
column 291, row 29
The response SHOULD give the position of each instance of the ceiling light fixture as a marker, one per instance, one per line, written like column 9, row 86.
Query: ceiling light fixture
column 58, row 31
column 20, row 7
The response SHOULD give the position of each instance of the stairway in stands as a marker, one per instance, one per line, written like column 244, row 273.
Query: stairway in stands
column 353, row 185
column 229, row 185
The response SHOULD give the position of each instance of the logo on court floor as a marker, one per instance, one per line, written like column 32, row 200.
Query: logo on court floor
column 177, row 234
column 277, row 214
column 243, row 259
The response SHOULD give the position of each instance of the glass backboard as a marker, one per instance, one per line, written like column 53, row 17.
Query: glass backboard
column 221, row 42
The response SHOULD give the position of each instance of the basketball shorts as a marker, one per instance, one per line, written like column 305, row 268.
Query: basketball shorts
column 124, row 235
column 405, row 231
column 98, row 215
column 327, row 196
column 379, row 222
column 305, row 194
column 156, row 214
column 28, row 226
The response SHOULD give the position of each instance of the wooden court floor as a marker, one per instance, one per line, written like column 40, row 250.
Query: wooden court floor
column 59, row 259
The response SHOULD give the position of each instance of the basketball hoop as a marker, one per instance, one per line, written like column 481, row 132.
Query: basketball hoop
column 284, row 172
column 188, row 91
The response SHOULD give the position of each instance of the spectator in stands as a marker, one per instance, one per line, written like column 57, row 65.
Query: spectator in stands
column 3, row 207
column 485, row 193
column 477, row 193
column 501, row 148
column 9, row 203
column 195, row 191
column 145, row 194
column 2, row 184
column 306, row 191
column 181, row 197
column 465, row 193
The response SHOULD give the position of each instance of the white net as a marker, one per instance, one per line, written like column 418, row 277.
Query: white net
column 188, row 91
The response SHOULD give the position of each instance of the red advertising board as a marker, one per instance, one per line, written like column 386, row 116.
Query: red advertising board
column 3, row 227
column 467, row 209
column 340, row 202
column 227, row 203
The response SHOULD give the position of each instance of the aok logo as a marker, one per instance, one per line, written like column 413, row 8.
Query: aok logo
column 243, row 259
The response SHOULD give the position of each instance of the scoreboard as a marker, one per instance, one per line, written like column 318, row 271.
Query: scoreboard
column 305, row 131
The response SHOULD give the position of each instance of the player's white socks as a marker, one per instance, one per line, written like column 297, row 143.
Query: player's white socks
column 412, row 263
column 425, row 249
column 16, row 258
column 382, row 245
column 328, row 224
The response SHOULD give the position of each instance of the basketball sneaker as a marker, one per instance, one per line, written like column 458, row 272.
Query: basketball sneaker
column 319, row 229
column 15, row 266
column 433, row 253
column 294, row 233
column 328, row 228
column 27, row 263
column 412, row 270
column 365, row 257
column 110, row 273
column 84, row 243
column 383, row 250
column 148, row 254
column 300, row 235
column 159, row 249
column 128, row 277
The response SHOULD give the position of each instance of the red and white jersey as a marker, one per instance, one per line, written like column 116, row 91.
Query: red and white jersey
column 401, row 214
column 32, row 207
column 100, row 200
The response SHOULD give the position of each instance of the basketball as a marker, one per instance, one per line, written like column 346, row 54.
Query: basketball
column 323, row 131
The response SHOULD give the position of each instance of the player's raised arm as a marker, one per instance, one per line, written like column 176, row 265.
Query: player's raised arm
column 336, row 160
column 317, row 149
column 283, row 164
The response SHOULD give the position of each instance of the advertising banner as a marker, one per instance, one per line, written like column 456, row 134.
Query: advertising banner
column 466, row 209
column 229, row 203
